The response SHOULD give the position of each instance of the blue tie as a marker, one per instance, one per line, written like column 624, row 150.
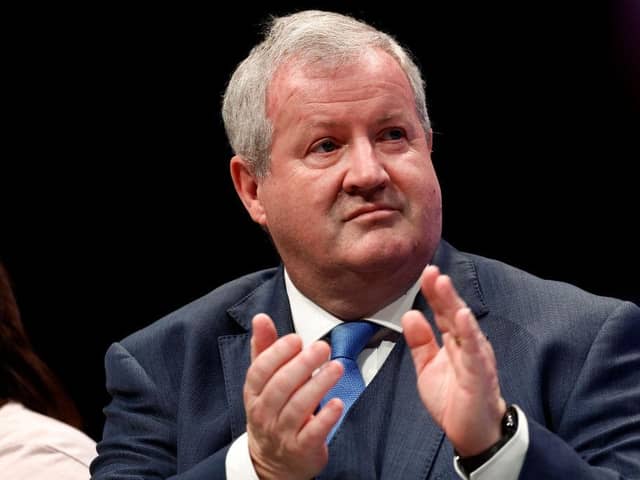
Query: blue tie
column 347, row 341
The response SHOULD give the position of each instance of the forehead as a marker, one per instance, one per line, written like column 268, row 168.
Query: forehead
column 316, row 87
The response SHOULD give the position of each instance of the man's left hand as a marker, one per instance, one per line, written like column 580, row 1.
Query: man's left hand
column 458, row 382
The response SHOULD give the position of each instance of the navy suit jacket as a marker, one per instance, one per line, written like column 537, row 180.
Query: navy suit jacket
column 569, row 359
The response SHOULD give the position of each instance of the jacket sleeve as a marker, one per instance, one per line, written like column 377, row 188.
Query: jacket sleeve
column 598, row 435
column 140, row 434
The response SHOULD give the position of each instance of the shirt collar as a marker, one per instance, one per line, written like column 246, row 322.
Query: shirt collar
column 303, row 309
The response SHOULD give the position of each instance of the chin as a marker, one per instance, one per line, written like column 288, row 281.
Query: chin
column 385, row 256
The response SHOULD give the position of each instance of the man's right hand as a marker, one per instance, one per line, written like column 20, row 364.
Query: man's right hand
column 286, row 439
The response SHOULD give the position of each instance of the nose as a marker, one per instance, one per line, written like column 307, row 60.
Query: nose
column 365, row 170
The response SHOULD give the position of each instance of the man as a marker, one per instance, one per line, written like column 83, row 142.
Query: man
column 332, row 141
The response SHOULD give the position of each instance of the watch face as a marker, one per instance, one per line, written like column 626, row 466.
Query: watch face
column 510, row 421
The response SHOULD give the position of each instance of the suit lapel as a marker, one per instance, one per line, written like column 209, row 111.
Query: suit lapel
column 462, row 270
column 413, row 439
column 235, row 350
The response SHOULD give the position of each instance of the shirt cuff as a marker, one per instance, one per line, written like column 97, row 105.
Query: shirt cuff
column 238, row 464
column 507, row 462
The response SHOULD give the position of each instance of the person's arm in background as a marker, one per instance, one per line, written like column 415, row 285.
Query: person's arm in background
column 40, row 427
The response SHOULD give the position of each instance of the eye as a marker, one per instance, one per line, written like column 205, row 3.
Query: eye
column 324, row 146
column 392, row 134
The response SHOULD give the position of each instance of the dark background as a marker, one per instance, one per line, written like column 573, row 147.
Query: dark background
column 117, row 205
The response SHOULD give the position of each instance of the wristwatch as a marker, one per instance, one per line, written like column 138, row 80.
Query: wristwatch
column 509, row 425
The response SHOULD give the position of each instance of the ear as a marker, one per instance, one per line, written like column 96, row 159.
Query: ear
column 247, row 187
column 430, row 140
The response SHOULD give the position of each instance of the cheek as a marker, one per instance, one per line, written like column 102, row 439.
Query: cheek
column 291, row 206
column 424, row 197
column 432, row 194
column 432, row 208
column 303, row 199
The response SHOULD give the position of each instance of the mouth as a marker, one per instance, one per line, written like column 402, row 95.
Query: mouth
column 372, row 212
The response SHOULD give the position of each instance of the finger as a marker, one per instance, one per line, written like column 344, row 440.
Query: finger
column 428, row 280
column 478, row 345
column 453, row 347
column 471, row 354
column 442, row 297
column 305, row 400
column 445, row 300
column 292, row 376
column 420, row 339
column 263, row 334
column 316, row 430
column 468, row 334
column 269, row 361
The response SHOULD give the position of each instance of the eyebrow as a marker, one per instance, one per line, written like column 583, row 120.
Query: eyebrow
column 400, row 115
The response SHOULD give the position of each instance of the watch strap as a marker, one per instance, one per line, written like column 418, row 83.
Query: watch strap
column 509, row 426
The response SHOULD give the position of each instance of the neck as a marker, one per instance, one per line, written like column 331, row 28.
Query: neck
column 352, row 295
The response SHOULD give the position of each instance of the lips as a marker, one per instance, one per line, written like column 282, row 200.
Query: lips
column 374, row 207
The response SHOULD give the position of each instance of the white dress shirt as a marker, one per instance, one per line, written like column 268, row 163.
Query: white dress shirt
column 505, row 464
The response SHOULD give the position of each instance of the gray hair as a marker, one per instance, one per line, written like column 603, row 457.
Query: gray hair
column 306, row 37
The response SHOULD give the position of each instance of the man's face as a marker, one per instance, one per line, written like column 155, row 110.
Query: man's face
column 351, row 184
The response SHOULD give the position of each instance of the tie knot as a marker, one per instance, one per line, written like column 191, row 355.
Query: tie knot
column 349, row 338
